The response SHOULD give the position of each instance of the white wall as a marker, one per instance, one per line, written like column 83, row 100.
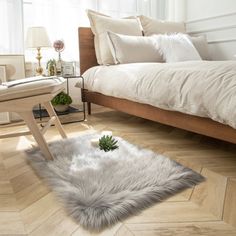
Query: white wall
column 217, row 20
column 207, row 8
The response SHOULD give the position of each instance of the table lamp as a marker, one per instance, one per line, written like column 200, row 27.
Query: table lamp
column 37, row 37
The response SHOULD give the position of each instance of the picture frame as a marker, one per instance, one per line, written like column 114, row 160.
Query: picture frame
column 15, row 66
column 68, row 68
column 3, row 76
column 14, row 69
column 4, row 116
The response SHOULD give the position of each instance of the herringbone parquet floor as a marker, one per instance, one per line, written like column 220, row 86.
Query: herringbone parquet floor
column 28, row 207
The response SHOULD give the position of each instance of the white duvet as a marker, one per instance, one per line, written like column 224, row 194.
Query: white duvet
column 201, row 88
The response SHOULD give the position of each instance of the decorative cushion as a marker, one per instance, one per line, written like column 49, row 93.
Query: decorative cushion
column 200, row 43
column 153, row 26
column 177, row 47
column 132, row 49
column 30, row 87
column 100, row 24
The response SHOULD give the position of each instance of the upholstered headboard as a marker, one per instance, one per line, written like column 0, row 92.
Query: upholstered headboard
column 86, row 48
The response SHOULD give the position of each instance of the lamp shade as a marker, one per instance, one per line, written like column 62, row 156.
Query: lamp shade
column 37, row 37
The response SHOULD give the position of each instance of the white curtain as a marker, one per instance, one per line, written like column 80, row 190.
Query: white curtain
column 11, row 27
column 63, row 17
column 176, row 10
column 152, row 8
column 118, row 8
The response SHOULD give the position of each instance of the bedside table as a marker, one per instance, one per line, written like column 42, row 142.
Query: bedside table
column 42, row 112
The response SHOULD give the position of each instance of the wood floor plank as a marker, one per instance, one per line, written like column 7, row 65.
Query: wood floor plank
column 124, row 231
column 210, row 153
column 3, row 175
column 5, row 187
column 208, row 162
column 108, row 232
column 37, row 213
column 226, row 171
column 24, row 180
column 11, row 224
column 14, row 160
column 1, row 155
column 58, row 224
column 18, row 169
column 31, row 194
column 210, row 194
column 2, row 167
column 163, row 148
column 8, row 202
column 11, row 147
column 181, row 197
column 183, row 229
column 229, row 215
column 173, row 212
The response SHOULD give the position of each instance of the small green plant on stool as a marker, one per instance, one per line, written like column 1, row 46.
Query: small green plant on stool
column 107, row 143
column 61, row 102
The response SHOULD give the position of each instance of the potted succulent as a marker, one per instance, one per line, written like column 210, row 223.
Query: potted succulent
column 61, row 102
column 107, row 143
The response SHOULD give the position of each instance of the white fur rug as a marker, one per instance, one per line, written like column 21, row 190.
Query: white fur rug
column 99, row 188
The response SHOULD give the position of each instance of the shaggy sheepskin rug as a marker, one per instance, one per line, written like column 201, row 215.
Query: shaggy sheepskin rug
column 99, row 188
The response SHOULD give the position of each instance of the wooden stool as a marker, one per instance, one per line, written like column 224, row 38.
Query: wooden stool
column 22, row 95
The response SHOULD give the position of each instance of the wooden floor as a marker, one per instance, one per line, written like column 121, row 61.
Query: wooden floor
column 28, row 207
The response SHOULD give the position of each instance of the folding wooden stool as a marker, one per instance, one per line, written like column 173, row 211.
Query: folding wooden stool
column 21, row 96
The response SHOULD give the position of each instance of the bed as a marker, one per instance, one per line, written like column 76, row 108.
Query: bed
column 200, row 125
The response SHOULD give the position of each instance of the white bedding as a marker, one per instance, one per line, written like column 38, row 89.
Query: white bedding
column 202, row 88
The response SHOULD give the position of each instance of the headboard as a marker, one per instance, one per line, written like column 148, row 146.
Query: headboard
column 86, row 48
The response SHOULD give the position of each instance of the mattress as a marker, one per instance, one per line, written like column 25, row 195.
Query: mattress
column 201, row 88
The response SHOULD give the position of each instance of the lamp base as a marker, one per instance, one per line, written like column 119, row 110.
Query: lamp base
column 39, row 71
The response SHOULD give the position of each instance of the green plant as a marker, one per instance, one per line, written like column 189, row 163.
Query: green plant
column 51, row 67
column 61, row 99
column 107, row 143
column 51, row 62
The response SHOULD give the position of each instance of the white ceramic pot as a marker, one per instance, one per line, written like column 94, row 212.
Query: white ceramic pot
column 61, row 108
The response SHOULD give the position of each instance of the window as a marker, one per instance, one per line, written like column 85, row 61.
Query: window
column 11, row 27
column 61, row 19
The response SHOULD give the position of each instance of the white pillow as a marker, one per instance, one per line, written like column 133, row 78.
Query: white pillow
column 100, row 24
column 200, row 43
column 96, row 45
column 153, row 26
column 132, row 49
column 177, row 47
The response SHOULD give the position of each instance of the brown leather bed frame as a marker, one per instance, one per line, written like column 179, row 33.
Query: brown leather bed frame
column 192, row 123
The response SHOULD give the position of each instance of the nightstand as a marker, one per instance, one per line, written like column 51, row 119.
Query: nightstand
column 41, row 113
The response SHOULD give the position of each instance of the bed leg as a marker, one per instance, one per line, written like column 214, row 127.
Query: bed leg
column 89, row 107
